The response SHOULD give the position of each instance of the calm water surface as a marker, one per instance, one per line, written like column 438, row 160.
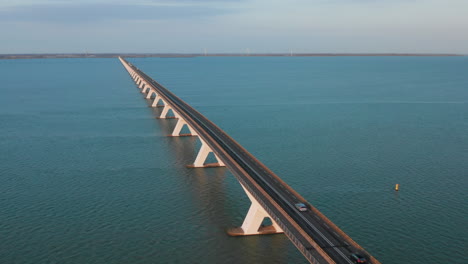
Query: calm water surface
column 87, row 174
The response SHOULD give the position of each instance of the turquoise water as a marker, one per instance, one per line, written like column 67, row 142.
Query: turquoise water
column 87, row 174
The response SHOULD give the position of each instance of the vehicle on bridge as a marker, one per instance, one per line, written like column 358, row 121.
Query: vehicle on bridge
column 301, row 207
column 357, row 258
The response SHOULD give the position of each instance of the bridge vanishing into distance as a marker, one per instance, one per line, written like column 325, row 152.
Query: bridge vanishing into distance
column 316, row 237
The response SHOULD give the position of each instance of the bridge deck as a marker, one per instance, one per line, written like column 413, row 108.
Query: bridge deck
column 316, row 237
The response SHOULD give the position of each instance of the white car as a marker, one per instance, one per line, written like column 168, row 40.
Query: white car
column 301, row 207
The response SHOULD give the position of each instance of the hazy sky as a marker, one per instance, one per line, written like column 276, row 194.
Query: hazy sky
column 63, row 26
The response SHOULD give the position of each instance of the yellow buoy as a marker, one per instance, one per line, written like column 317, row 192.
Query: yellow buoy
column 397, row 186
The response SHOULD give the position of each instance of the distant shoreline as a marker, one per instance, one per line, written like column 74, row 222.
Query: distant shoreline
column 191, row 55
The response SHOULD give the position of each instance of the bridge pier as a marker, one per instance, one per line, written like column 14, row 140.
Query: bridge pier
column 156, row 101
column 165, row 110
column 203, row 155
column 180, row 124
column 252, row 224
column 258, row 183
column 148, row 96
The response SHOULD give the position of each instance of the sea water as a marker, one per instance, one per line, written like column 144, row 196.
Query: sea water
column 88, row 174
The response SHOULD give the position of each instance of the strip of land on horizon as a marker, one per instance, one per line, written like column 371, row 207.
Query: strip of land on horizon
column 188, row 55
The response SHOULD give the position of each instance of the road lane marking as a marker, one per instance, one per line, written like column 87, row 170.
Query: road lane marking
column 218, row 139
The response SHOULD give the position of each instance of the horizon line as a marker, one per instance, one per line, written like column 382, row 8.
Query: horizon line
column 217, row 54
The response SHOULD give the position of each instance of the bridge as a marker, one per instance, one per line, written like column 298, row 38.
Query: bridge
column 314, row 235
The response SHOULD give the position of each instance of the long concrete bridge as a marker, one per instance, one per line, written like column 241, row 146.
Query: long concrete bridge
column 316, row 237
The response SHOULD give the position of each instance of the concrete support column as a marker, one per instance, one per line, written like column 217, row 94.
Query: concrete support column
column 164, row 111
column 148, row 96
column 180, row 124
column 202, row 155
column 193, row 133
column 156, row 100
column 252, row 224
column 253, row 220
column 178, row 127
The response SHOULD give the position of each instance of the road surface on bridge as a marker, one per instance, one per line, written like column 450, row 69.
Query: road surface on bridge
column 318, row 239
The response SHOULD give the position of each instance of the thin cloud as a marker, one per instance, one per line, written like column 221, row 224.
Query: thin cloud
column 85, row 13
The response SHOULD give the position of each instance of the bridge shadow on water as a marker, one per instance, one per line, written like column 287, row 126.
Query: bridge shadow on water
column 220, row 203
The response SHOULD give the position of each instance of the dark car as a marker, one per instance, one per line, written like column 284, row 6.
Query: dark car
column 357, row 258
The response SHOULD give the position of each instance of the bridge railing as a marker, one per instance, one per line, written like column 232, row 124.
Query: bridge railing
column 292, row 235
column 299, row 244
column 306, row 251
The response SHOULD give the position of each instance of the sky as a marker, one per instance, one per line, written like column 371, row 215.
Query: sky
column 234, row 26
